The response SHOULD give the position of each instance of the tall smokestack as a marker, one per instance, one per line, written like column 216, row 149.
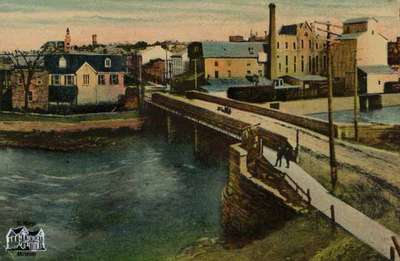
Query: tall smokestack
column 271, row 63
column 94, row 39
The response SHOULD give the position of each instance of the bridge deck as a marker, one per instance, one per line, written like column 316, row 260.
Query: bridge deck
column 378, row 164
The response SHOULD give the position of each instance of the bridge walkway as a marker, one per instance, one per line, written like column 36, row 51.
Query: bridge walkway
column 364, row 228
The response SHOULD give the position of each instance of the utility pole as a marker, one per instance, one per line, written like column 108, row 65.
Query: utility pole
column 355, row 97
column 195, row 74
column 331, row 132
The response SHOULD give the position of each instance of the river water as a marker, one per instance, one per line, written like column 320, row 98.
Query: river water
column 388, row 115
column 140, row 200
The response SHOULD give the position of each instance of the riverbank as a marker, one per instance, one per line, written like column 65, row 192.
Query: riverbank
column 66, row 133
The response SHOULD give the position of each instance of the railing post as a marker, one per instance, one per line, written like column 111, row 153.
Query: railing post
column 396, row 245
column 392, row 254
column 309, row 198
column 333, row 218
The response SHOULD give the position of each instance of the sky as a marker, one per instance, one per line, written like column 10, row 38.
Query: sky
column 27, row 24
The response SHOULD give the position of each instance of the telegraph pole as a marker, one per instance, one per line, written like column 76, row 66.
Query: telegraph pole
column 195, row 74
column 355, row 97
column 331, row 132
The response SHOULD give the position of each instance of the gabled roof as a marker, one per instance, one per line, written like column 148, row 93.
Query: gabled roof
column 290, row 29
column 351, row 36
column 359, row 20
column 18, row 230
column 75, row 61
column 233, row 49
column 376, row 69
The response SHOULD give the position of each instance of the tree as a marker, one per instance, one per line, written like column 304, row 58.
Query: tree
column 25, row 65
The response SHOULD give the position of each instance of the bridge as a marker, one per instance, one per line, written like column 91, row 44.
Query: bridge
column 271, row 133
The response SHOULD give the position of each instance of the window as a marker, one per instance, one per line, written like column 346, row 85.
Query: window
column 309, row 63
column 55, row 80
column 114, row 79
column 379, row 82
column 86, row 79
column 216, row 74
column 294, row 45
column 229, row 74
column 286, row 45
column 30, row 95
column 316, row 45
column 280, row 67
column 295, row 65
column 287, row 60
column 107, row 63
column 316, row 64
column 309, row 44
column 249, row 72
column 62, row 63
column 248, row 64
column 302, row 44
column 69, row 80
column 373, row 32
column 260, row 73
column 287, row 70
column 277, row 45
column 101, row 79
column 216, row 63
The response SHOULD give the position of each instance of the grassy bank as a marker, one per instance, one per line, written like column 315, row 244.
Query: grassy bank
column 304, row 238
column 69, row 141
column 5, row 116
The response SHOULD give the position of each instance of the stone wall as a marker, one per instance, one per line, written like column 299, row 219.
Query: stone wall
column 250, row 207
column 302, row 121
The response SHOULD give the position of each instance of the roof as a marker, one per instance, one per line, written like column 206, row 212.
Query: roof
column 75, row 61
column 310, row 78
column 351, row 36
column 18, row 229
column 359, row 20
column 376, row 69
column 232, row 49
column 290, row 29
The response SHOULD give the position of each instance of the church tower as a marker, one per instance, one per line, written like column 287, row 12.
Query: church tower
column 67, row 41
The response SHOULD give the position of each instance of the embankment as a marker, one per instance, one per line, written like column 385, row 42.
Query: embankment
column 65, row 133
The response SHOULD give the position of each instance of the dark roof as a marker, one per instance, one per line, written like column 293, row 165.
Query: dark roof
column 34, row 233
column 17, row 230
column 233, row 49
column 290, row 29
column 359, row 20
column 75, row 61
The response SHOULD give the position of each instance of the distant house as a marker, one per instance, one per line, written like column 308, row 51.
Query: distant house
column 394, row 53
column 96, row 78
column 38, row 88
column 372, row 78
column 22, row 239
column 227, row 60
column 155, row 71
column 361, row 46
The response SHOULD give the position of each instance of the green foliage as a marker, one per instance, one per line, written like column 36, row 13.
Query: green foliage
column 62, row 93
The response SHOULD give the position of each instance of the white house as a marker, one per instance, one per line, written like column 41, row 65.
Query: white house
column 22, row 239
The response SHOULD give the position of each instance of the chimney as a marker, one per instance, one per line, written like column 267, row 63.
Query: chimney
column 272, row 52
column 94, row 39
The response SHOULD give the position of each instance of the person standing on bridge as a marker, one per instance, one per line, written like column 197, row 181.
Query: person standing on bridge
column 288, row 154
column 279, row 155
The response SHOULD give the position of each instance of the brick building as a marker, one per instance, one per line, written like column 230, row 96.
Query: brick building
column 394, row 53
column 154, row 71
